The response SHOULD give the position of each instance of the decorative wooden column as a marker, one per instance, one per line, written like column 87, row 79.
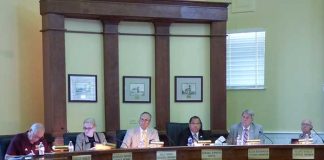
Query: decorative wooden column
column 111, row 76
column 54, row 74
column 162, row 75
column 218, row 77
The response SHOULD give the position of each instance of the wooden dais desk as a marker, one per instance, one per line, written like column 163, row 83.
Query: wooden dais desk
column 274, row 152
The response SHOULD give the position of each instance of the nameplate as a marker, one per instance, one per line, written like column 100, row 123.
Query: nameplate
column 258, row 153
column 166, row 155
column 122, row 156
column 303, row 153
column 82, row 157
column 211, row 154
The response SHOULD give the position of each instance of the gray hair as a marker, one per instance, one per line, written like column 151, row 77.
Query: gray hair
column 307, row 121
column 36, row 127
column 90, row 120
column 147, row 114
column 249, row 112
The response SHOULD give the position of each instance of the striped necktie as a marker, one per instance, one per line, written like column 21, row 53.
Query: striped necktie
column 245, row 135
column 195, row 136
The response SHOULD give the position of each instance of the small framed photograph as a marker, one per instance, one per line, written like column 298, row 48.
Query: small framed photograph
column 188, row 88
column 136, row 89
column 82, row 88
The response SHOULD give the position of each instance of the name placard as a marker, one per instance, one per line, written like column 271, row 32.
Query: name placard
column 258, row 153
column 303, row 153
column 211, row 154
column 122, row 156
column 166, row 155
column 82, row 157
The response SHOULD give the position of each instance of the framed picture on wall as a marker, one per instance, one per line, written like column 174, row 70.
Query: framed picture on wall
column 82, row 88
column 136, row 89
column 188, row 88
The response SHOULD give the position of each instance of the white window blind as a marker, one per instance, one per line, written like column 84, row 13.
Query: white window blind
column 245, row 60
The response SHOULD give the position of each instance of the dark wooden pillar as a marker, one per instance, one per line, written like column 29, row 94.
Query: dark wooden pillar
column 218, row 77
column 162, row 75
column 54, row 74
column 111, row 76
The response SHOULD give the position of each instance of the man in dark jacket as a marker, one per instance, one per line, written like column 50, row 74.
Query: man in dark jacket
column 194, row 131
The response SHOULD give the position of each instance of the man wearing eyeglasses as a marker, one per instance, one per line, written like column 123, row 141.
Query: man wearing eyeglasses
column 306, row 128
column 194, row 131
column 141, row 136
column 27, row 143
column 89, row 138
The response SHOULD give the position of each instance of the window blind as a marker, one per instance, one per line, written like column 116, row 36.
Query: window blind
column 245, row 60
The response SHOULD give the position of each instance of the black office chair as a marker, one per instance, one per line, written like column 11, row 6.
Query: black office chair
column 71, row 136
column 120, row 134
column 173, row 132
column 4, row 143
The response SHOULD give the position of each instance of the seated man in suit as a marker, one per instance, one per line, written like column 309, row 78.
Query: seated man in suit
column 140, row 137
column 245, row 130
column 194, row 131
column 306, row 128
column 27, row 143
column 89, row 138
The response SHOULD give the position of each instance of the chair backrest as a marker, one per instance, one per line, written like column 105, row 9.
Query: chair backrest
column 71, row 136
column 4, row 143
column 120, row 134
column 173, row 132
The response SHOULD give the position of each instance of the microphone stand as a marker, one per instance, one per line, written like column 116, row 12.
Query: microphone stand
column 318, row 134
column 266, row 136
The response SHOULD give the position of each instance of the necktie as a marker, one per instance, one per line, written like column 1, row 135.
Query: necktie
column 245, row 135
column 195, row 137
column 145, row 139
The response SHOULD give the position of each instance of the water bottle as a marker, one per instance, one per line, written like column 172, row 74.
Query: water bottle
column 71, row 146
column 238, row 140
column 306, row 139
column 190, row 143
column 41, row 149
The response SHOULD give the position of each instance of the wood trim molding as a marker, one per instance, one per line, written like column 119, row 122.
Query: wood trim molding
column 111, row 75
column 162, row 75
column 218, row 77
column 54, row 75
column 188, row 11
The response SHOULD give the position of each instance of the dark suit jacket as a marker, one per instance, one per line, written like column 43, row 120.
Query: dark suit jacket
column 185, row 134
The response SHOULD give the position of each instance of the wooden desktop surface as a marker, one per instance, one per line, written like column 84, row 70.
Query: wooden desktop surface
column 276, row 152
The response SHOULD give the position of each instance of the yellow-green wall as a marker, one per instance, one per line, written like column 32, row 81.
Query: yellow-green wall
column 21, row 68
column 294, row 66
column 84, row 55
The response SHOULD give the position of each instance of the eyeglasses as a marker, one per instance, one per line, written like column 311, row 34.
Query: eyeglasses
column 87, row 128
column 306, row 124
column 195, row 123
column 146, row 120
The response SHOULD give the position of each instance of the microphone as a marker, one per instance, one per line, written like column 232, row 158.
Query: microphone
column 266, row 136
column 317, row 134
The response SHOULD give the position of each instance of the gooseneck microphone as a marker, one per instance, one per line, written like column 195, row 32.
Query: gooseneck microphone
column 318, row 134
column 266, row 136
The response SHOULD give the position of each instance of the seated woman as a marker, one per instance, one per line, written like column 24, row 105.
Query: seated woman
column 89, row 137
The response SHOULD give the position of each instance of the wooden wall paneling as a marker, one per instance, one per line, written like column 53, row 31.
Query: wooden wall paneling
column 218, row 77
column 162, row 75
column 111, row 76
column 54, row 74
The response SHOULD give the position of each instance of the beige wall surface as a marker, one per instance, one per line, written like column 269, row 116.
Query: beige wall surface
column 21, row 68
column 294, row 66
